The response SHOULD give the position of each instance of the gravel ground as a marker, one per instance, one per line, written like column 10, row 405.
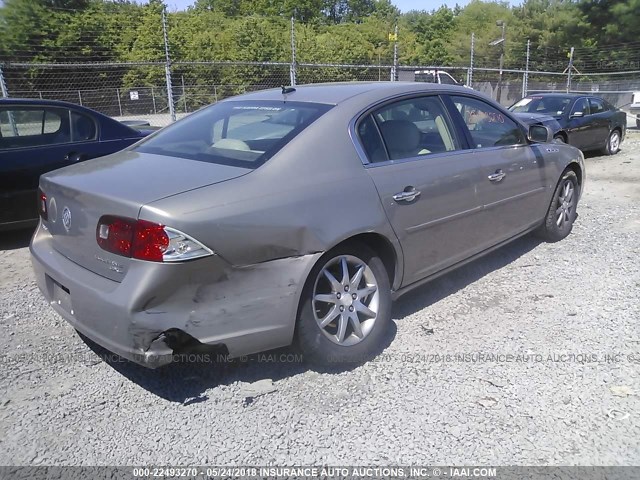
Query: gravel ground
column 530, row 356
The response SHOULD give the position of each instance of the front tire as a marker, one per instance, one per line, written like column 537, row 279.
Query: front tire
column 345, row 309
column 562, row 212
column 613, row 143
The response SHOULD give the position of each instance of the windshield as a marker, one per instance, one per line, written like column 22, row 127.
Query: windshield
column 237, row 133
column 550, row 105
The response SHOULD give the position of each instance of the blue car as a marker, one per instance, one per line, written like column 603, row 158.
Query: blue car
column 37, row 136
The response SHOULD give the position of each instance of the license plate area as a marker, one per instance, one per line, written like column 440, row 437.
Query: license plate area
column 61, row 296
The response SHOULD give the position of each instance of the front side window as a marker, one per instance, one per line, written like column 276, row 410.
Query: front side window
column 596, row 105
column 581, row 106
column 237, row 133
column 488, row 126
column 32, row 126
column 414, row 127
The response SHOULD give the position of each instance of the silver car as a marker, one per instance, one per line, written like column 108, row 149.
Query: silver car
column 293, row 215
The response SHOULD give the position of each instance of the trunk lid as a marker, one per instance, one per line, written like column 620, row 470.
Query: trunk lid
column 121, row 185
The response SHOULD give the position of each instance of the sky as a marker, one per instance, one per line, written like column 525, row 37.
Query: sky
column 403, row 5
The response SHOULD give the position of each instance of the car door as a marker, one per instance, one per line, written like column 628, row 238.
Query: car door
column 36, row 140
column 578, row 124
column 426, row 182
column 599, row 122
column 513, row 186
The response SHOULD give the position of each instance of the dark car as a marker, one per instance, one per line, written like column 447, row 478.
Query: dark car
column 37, row 136
column 584, row 121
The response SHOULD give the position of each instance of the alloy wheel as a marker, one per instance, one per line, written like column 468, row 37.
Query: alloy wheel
column 346, row 300
column 614, row 142
column 566, row 205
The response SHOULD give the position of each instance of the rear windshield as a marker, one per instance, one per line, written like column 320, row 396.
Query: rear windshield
column 237, row 133
column 550, row 105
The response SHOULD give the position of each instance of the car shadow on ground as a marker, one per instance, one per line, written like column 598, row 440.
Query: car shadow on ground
column 188, row 382
column 15, row 239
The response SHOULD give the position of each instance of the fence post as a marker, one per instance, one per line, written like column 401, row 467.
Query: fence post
column 184, row 95
column 119, row 101
column 3, row 85
column 167, row 66
column 470, row 71
column 569, row 69
column 292, row 65
column 80, row 97
column 153, row 100
column 215, row 94
column 394, row 68
column 525, row 77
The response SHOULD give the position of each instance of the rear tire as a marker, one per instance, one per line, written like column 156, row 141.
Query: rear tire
column 562, row 212
column 342, row 317
column 613, row 143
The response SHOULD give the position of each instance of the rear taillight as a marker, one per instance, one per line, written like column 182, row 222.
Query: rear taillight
column 146, row 240
column 42, row 205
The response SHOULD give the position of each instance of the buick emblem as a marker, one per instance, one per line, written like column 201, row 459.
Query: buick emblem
column 66, row 218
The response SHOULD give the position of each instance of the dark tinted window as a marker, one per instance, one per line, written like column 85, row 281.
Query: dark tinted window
column 83, row 127
column 551, row 105
column 371, row 141
column 581, row 105
column 237, row 133
column 488, row 126
column 427, row 77
column 596, row 105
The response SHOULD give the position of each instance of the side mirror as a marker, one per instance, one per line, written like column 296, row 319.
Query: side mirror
column 540, row 134
column 577, row 115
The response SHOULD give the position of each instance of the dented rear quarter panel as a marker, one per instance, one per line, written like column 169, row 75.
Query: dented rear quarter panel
column 311, row 196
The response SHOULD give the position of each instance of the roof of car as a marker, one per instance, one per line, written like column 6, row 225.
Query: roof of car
column 334, row 93
column 50, row 103
column 560, row 94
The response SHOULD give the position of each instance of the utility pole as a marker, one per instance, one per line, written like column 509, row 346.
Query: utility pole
column 470, row 73
column 292, row 66
column 525, row 80
column 569, row 70
column 394, row 68
column 503, row 24
column 167, row 67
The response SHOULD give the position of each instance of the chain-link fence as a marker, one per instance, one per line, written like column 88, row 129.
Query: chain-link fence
column 162, row 90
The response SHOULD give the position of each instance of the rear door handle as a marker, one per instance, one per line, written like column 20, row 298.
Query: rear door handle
column 409, row 194
column 497, row 177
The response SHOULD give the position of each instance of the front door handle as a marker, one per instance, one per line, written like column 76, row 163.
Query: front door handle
column 409, row 194
column 497, row 177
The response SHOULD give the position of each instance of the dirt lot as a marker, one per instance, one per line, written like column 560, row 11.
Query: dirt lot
column 529, row 356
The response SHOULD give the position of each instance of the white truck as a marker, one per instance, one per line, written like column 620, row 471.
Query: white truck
column 634, row 108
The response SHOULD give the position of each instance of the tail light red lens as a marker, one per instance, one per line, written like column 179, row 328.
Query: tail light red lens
column 132, row 238
column 42, row 205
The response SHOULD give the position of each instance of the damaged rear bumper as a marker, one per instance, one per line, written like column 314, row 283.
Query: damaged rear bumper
column 242, row 310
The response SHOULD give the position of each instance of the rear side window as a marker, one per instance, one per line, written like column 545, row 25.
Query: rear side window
column 22, row 127
column 596, row 105
column 416, row 127
column 241, row 133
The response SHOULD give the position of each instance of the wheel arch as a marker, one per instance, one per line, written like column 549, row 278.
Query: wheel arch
column 384, row 248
